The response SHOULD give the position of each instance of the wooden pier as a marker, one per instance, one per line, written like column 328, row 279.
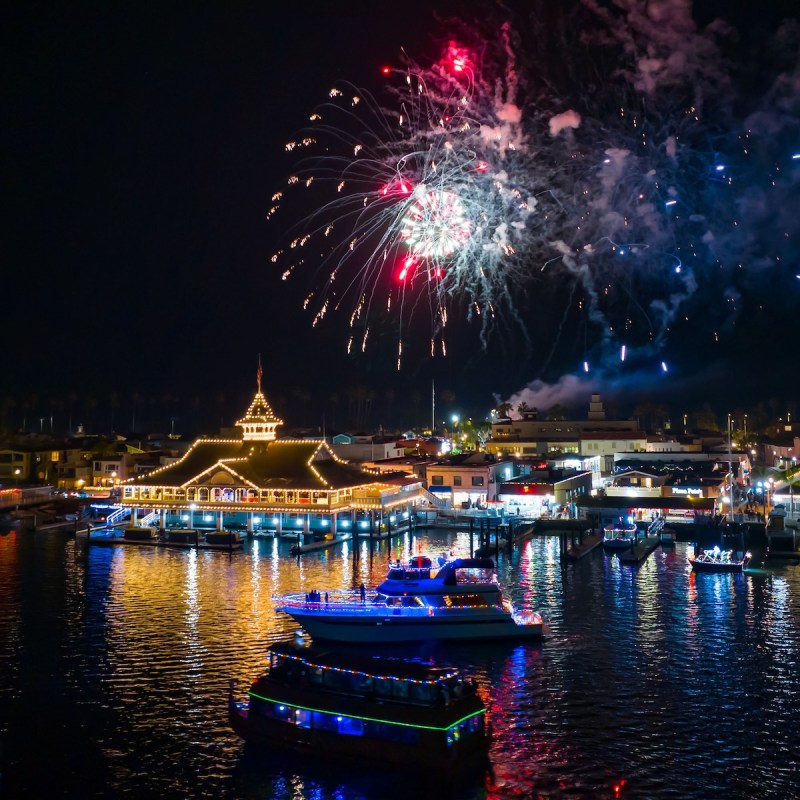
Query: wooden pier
column 639, row 551
column 583, row 547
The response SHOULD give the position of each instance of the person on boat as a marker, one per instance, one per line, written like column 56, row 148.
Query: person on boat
column 363, row 590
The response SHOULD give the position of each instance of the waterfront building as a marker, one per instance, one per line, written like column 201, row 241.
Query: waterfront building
column 362, row 447
column 468, row 480
column 545, row 493
column 595, row 435
column 257, row 481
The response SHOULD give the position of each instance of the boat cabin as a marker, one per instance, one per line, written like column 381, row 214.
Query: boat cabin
column 349, row 703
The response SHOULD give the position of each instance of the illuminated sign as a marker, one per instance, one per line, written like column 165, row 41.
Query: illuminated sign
column 685, row 490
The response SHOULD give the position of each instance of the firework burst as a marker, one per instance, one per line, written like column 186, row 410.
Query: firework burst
column 619, row 172
column 428, row 206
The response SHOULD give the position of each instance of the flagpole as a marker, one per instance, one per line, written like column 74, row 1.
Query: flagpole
column 433, row 407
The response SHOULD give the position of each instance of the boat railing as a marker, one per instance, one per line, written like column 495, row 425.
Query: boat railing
column 350, row 603
column 619, row 532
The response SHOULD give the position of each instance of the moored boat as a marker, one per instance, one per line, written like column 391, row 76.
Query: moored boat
column 345, row 704
column 224, row 540
column 619, row 537
column 460, row 600
column 717, row 560
column 140, row 534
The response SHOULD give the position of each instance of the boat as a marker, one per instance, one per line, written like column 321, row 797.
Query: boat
column 619, row 536
column 717, row 560
column 351, row 705
column 459, row 600
column 176, row 538
column 224, row 540
column 135, row 534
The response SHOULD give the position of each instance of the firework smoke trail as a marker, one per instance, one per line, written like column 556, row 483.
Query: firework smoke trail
column 619, row 170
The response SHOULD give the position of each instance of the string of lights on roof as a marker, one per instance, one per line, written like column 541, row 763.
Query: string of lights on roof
column 363, row 673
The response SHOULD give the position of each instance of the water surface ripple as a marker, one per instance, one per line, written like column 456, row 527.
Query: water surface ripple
column 652, row 683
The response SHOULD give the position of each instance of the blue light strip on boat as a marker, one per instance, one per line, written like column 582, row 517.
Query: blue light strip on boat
column 369, row 719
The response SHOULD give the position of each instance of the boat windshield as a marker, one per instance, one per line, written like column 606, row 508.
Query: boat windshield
column 475, row 575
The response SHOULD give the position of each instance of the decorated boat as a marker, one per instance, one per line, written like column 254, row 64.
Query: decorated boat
column 619, row 536
column 717, row 560
column 459, row 600
column 345, row 704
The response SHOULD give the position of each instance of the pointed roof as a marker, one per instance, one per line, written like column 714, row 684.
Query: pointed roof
column 261, row 461
column 285, row 464
column 260, row 422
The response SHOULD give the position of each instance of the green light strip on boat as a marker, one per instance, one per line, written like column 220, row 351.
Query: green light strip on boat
column 369, row 719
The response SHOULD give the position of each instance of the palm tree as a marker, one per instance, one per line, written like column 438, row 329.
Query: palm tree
column 503, row 410
column 113, row 402
column 6, row 404
column 333, row 402
column 136, row 400
column 220, row 398
column 389, row 397
column 557, row 412
column 706, row 419
column 90, row 404
column 72, row 398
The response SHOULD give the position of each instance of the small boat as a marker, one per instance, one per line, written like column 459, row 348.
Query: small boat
column 224, row 540
column 459, row 600
column 140, row 534
column 619, row 537
column 352, row 705
column 718, row 560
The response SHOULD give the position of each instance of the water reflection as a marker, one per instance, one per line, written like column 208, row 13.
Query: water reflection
column 126, row 653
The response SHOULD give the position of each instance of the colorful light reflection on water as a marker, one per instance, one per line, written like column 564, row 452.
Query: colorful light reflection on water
column 655, row 682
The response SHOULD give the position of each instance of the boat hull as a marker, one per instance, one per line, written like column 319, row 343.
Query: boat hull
column 429, row 748
column 397, row 628
column 618, row 544
column 710, row 566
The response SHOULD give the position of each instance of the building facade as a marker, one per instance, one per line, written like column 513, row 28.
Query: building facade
column 260, row 482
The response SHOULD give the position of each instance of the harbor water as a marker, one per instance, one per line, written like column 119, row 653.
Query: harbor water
column 652, row 682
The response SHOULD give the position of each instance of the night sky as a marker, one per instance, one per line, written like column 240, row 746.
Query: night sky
column 141, row 146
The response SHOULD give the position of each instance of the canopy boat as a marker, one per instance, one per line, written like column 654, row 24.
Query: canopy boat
column 460, row 600
column 717, row 560
column 619, row 536
column 343, row 704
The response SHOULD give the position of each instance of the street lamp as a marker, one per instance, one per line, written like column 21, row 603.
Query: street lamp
column 16, row 485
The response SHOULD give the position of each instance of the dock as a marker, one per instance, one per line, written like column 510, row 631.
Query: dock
column 639, row 551
column 582, row 548
column 299, row 549
column 111, row 536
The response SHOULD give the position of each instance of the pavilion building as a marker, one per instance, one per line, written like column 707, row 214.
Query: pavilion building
column 262, row 483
